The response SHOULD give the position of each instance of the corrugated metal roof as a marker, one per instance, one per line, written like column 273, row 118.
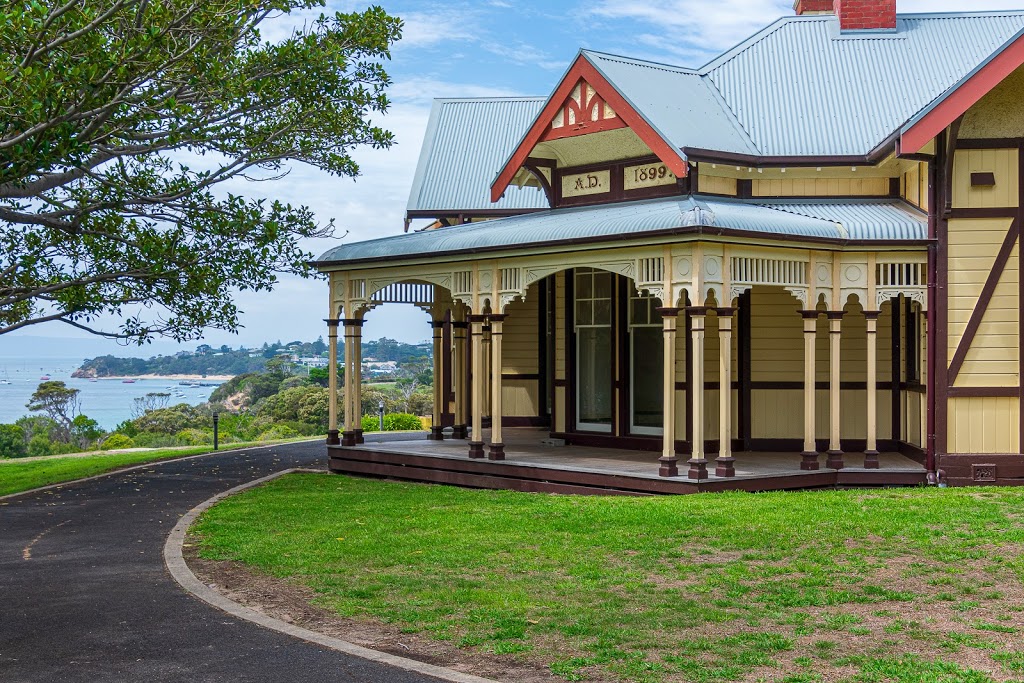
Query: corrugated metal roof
column 466, row 142
column 801, row 88
column 865, row 219
column 678, row 103
column 870, row 219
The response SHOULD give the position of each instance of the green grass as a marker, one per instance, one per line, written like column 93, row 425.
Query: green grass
column 18, row 475
column 788, row 586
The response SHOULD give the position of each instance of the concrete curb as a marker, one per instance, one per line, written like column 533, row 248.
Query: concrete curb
column 151, row 463
column 175, row 563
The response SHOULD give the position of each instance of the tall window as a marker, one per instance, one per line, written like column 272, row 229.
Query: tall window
column 594, row 360
column 646, row 362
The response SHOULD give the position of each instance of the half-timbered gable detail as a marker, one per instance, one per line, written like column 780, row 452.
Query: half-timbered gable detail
column 583, row 112
column 785, row 268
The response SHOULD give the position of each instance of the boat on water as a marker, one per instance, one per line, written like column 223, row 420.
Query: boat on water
column 127, row 381
column 45, row 377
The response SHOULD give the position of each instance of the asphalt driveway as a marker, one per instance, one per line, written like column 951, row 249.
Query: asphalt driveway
column 84, row 595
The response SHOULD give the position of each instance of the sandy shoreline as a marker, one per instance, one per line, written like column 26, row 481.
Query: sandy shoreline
column 198, row 378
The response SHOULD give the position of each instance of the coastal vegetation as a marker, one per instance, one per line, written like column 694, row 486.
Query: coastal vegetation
column 280, row 400
column 897, row 585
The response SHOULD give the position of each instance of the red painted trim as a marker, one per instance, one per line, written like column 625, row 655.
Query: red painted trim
column 963, row 98
column 582, row 69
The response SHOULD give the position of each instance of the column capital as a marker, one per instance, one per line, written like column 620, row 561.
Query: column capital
column 460, row 324
column 352, row 322
column 724, row 312
column 476, row 318
column 872, row 315
column 809, row 315
column 695, row 311
column 668, row 312
column 332, row 322
column 834, row 315
column 437, row 324
column 497, row 317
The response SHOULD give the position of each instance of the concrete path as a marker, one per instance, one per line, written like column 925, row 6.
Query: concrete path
column 84, row 595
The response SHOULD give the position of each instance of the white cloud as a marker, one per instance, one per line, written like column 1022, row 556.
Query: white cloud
column 696, row 27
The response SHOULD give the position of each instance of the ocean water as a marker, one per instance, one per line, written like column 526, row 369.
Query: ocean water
column 108, row 401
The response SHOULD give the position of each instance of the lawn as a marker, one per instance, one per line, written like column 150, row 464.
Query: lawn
column 17, row 475
column 865, row 586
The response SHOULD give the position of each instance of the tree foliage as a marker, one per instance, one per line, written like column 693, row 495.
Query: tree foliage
column 118, row 121
column 59, row 402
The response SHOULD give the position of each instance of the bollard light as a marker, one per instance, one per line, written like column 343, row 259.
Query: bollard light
column 380, row 414
column 216, row 420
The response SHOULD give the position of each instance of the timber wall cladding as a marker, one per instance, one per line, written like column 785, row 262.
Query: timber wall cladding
column 983, row 332
column 777, row 369
column 914, row 185
column 822, row 187
column 519, row 355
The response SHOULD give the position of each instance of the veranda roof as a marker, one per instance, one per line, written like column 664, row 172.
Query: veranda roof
column 836, row 221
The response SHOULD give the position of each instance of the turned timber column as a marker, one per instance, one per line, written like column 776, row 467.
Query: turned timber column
column 871, row 450
column 357, row 384
column 835, row 451
column 476, row 331
column 698, row 464
column 668, row 460
column 348, row 435
column 725, row 463
column 332, row 382
column 436, row 431
column 810, row 453
column 496, row 451
column 485, row 378
column 459, row 377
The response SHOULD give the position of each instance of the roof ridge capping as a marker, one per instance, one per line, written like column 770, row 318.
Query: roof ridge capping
column 640, row 62
column 493, row 98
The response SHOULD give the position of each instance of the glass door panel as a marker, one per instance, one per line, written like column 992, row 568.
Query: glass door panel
column 647, row 360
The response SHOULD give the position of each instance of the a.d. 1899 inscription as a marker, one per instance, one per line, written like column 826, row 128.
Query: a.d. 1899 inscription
column 595, row 182
column 647, row 175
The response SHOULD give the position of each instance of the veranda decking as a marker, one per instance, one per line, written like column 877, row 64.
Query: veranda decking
column 531, row 465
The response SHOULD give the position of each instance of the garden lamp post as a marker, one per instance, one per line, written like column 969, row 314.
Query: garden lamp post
column 216, row 420
column 380, row 414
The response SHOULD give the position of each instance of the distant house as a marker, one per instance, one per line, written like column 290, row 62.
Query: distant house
column 808, row 246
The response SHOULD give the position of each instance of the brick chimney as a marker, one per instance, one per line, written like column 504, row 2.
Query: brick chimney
column 814, row 6
column 854, row 15
column 866, row 15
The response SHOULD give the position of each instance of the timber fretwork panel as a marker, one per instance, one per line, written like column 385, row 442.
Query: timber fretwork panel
column 584, row 111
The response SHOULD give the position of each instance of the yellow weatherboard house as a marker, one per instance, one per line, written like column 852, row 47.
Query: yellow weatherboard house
column 796, row 266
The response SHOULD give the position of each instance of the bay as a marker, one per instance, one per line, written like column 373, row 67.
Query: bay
column 108, row 401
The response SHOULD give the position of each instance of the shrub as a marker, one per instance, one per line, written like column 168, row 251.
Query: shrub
column 40, row 445
column 370, row 423
column 194, row 437
column 400, row 422
column 278, row 432
column 117, row 440
column 12, row 442
column 174, row 419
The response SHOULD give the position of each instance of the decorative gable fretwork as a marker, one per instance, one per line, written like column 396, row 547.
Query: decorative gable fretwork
column 584, row 111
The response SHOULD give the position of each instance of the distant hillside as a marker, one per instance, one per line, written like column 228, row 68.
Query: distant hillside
column 207, row 360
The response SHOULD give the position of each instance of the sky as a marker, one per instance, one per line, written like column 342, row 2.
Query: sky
column 457, row 48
